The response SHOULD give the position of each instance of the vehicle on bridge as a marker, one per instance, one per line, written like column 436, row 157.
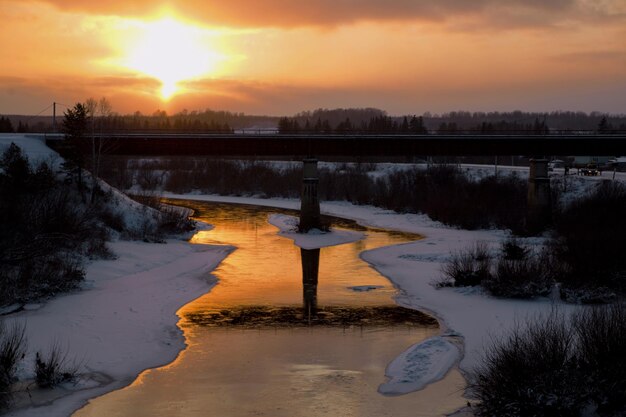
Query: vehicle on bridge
column 555, row 163
column 589, row 170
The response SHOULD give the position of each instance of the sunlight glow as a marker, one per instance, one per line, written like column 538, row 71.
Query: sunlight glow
column 172, row 51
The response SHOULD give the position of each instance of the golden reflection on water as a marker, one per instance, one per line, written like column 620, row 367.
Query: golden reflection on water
column 266, row 269
column 291, row 371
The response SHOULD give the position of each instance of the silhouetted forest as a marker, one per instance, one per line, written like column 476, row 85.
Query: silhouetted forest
column 377, row 124
column 368, row 121
column 341, row 121
column 555, row 121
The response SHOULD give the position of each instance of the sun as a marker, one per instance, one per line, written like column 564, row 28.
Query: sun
column 172, row 51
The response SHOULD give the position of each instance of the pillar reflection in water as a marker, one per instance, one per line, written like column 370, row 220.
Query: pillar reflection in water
column 310, row 270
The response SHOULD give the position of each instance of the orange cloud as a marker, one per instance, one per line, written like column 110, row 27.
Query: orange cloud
column 326, row 54
column 286, row 13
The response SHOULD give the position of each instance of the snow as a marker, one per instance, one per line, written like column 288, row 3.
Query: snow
column 474, row 316
column 124, row 319
column 421, row 364
column 315, row 238
column 32, row 145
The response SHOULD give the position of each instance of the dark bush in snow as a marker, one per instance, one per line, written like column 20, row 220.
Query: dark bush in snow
column 601, row 345
column 556, row 366
column 467, row 267
column 54, row 368
column 519, row 278
column 441, row 191
column 590, row 243
column 12, row 350
column 512, row 250
column 47, row 226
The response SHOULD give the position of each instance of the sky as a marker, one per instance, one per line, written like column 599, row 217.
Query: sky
column 280, row 57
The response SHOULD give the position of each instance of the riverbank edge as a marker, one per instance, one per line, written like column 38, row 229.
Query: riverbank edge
column 132, row 325
column 468, row 314
column 448, row 238
column 343, row 210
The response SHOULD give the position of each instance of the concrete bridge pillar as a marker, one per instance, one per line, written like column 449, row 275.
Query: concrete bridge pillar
column 539, row 199
column 310, row 271
column 309, row 199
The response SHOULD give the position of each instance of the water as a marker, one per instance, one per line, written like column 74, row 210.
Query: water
column 282, row 334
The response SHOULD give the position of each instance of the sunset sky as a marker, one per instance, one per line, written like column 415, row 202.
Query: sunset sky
column 284, row 56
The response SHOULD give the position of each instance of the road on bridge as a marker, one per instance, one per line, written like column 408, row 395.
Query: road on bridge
column 354, row 146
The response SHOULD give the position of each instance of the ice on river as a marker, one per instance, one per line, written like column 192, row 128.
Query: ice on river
column 365, row 288
column 314, row 239
column 420, row 365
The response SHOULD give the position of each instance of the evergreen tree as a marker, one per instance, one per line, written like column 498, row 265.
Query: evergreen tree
column 344, row 127
column 326, row 128
column 284, row 125
column 604, row 126
column 405, row 125
column 75, row 128
column 416, row 126
column 22, row 127
column 14, row 170
column 5, row 125
column 318, row 126
column 540, row 128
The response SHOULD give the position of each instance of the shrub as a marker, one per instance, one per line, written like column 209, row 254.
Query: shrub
column 54, row 368
column 601, row 335
column 165, row 220
column 46, row 227
column 174, row 219
column 112, row 219
column 590, row 239
column 512, row 250
column 522, row 278
column 556, row 366
column 12, row 350
column 467, row 267
column 484, row 203
column 529, row 372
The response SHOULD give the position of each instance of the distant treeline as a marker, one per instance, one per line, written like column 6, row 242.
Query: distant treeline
column 377, row 124
column 7, row 127
column 556, row 121
column 341, row 121
column 181, row 122
column 357, row 122
column 185, row 121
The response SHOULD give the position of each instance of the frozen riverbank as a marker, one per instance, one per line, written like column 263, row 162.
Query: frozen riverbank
column 122, row 322
column 467, row 314
column 471, row 316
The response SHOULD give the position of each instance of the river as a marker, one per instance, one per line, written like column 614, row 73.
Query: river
column 286, row 332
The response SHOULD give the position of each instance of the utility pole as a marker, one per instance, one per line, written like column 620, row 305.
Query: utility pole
column 54, row 117
column 496, row 166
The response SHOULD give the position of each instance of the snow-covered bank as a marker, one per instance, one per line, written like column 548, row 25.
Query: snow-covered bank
column 475, row 317
column 124, row 319
column 32, row 145
column 314, row 239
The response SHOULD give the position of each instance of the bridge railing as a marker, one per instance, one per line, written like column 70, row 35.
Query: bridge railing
column 350, row 132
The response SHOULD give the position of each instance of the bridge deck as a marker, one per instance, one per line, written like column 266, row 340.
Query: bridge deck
column 359, row 146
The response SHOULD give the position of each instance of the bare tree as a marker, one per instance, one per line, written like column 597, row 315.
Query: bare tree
column 98, row 111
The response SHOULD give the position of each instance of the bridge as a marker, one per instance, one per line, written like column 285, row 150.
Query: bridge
column 307, row 147
column 362, row 147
